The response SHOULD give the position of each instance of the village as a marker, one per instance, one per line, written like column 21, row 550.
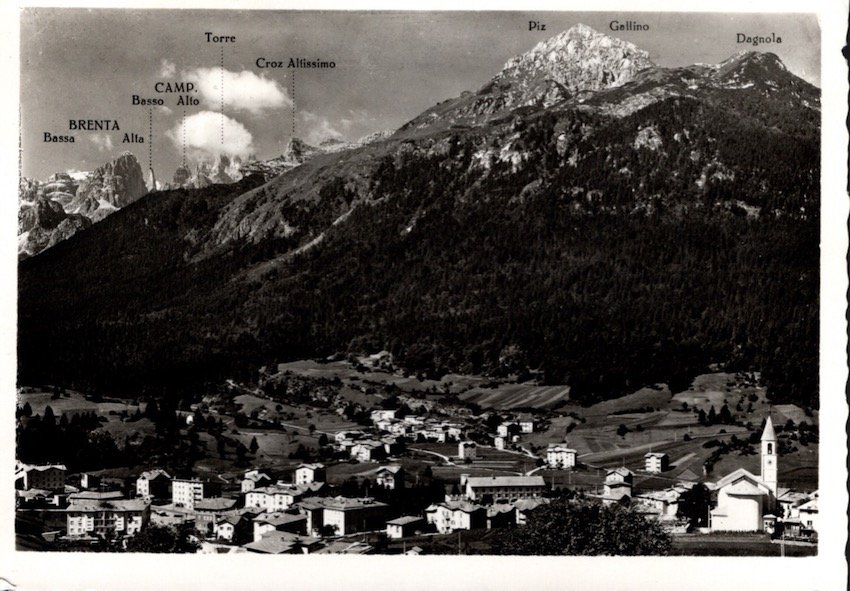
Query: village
column 351, row 457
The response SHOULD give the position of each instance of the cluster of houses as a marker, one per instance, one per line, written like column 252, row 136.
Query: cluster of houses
column 306, row 515
column 416, row 428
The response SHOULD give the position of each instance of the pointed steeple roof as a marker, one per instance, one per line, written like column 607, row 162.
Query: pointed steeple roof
column 768, row 434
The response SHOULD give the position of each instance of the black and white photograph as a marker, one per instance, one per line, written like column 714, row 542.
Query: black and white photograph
column 429, row 283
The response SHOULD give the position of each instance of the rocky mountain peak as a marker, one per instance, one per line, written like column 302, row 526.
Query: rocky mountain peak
column 579, row 59
column 297, row 151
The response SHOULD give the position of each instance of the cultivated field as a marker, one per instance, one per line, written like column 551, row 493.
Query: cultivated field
column 508, row 396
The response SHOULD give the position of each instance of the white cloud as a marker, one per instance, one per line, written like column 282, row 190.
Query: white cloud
column 203, row 136
column 355, row 117
column 243, row 91
column 164, row 110
column 78, row 175
column 167, row 69
column 102, row 140
column 319, row 129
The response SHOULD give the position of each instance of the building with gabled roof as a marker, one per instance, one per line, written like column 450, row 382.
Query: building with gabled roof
column 153, row 484
column 253, row 479
column 344, row 515
column 501, row 515
column 307, row 473
column 451, row 516
column 45, row 476
column 525, row 506
column 276, row 497
column 368, row 450
column 280, row 542
column 107, row 518
column 234, row 528
column 807, row 513
column 618, row 483
column 295, row 523
column 402, row 527
column 390, row 477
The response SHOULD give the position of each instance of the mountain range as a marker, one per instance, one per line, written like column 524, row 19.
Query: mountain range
column 609, row 222
column 55, row 210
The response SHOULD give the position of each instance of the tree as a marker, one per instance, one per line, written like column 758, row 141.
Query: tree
column 622, row 430
column 701, row 417
column 49, row 417
column 254, row 446
column 323, row 440
column 581, row 528
column 27, row 411
column 694, row 504
column 163, row 539
column 725, row 415
column 712, row 415
column 152, row 410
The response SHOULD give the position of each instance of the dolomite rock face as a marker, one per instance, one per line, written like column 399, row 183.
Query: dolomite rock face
column 58, row 208
column 114, row 185
column 579, row 59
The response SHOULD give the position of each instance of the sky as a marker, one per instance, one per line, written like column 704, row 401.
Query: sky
column 390, row 66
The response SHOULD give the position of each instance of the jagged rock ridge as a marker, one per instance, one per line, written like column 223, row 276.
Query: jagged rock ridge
column 55, row 210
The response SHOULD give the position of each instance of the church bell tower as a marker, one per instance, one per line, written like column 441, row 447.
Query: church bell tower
column 769, row 457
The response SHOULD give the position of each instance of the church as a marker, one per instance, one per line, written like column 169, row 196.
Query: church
column 745, row 501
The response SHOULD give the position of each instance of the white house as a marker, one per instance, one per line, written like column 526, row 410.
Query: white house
column 618, row 484
column 467, row 450
column 307, row 473
column 153, row 483
column 288, row 522
column 186, row 492
column 382, row 415
column 454, row 515
column 390, row 477
column 45, row 477
column 808, row 513
column 656, row 462
column 744, row 498
column 254, row 479
column 403, row 527
column 368, row 451
column 507, row 429
column 526, row 424
column 348, row 436
column 115, row 518
column 558, row 455
column 344, row 515
column 276, row 497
